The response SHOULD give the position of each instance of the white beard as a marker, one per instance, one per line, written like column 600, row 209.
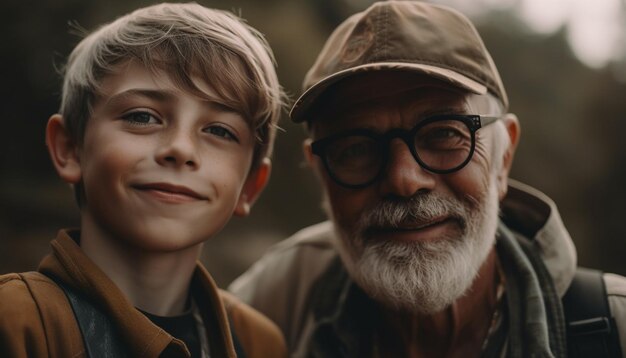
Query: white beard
column 421, row 277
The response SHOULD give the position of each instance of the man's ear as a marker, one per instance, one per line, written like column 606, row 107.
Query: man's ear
column 308, row 152
column 513, row 130
column 63, row 151
column 312, row 161
column 252, row 188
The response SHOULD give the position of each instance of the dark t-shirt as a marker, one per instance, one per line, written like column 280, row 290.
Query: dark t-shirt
column 183, row 327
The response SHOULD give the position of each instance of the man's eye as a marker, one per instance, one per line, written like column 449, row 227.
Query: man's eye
column 444, row 133
column 442, row 136
column 357, row 150
column 222, row 132
column 140, row 118
column 354, row 151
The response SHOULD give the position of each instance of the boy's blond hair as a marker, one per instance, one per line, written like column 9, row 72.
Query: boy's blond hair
column 183, row 40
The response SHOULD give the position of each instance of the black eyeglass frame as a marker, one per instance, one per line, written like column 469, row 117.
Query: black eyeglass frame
column 473, row 122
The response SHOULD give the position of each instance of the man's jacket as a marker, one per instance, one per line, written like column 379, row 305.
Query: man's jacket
column 285, row 284
column 36, row 319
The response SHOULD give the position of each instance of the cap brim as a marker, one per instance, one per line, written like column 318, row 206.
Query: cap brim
column 308, row 98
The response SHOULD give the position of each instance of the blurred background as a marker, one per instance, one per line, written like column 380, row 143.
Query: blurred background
column 563, row 63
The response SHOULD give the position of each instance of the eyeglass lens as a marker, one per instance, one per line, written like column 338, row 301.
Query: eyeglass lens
column 438, row 146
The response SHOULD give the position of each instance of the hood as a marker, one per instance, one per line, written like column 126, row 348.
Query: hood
column 532, row 214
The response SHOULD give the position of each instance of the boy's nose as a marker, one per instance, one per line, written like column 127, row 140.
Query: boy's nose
column 178, row 149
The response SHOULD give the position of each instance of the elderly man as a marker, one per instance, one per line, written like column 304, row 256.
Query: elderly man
column 431, row 250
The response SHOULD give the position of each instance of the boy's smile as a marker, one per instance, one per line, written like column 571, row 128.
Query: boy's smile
column 162, row 169
column 169, row 193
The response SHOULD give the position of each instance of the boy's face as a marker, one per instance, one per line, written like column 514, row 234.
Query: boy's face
column 162, row 169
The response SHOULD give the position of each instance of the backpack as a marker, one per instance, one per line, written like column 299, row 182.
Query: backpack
column 591, row 329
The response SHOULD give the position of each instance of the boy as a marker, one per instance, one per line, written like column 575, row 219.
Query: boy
column 167, row 120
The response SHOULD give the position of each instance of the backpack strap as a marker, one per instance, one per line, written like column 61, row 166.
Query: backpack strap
column 236, row 343
column 100, row 337
column 591, row 329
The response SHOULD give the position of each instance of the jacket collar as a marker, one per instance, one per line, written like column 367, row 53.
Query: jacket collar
column 530, row 213
column 69, row 264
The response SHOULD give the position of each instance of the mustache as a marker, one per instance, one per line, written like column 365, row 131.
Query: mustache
column 420, row 208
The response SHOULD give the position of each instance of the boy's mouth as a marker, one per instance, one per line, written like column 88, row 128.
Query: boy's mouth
column 170, row 190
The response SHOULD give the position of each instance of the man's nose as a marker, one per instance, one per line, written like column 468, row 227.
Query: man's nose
column 178, row 149
column 403, row 175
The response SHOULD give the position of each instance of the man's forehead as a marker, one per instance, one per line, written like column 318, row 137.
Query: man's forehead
column 378, row 86
column 371, row 85
column 367, row 96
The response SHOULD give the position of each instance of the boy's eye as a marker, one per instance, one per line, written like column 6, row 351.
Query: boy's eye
column 221, row 132
column 141, row 118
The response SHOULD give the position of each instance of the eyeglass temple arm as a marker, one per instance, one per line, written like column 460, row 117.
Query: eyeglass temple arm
column 487, row 120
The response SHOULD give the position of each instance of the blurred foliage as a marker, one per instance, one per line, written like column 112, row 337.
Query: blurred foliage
column 571, row 146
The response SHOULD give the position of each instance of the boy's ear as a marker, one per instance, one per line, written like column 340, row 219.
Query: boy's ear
column 63, row 151
column 252, row 188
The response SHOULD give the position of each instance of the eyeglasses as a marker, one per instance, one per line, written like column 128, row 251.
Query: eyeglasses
column 440, row 144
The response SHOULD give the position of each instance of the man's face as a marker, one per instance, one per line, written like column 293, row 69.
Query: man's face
column 162, row 169
column 412, row 239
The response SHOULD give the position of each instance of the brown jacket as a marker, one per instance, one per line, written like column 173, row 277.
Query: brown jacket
column 36, row 319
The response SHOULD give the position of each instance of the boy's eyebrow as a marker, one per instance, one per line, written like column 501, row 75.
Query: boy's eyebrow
column 157, row 95
column 163, row 96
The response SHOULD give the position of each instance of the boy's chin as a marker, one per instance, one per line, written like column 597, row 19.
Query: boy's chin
column 139, row 231
column 153, row 239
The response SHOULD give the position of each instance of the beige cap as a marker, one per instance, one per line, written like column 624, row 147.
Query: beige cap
column 406, row 36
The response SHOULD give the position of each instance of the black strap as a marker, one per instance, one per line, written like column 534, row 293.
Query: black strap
column 100, row 337
column 236, row 342
column 591, row 329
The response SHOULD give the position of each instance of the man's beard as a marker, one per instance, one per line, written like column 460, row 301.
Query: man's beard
column 421, row 277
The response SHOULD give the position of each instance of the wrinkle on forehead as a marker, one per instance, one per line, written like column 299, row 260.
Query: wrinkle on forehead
column 385, row 111
column 366, row 87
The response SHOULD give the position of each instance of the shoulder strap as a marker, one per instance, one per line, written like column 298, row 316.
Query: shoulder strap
column 591, row 329
column 99, row 335
column 236, row 343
